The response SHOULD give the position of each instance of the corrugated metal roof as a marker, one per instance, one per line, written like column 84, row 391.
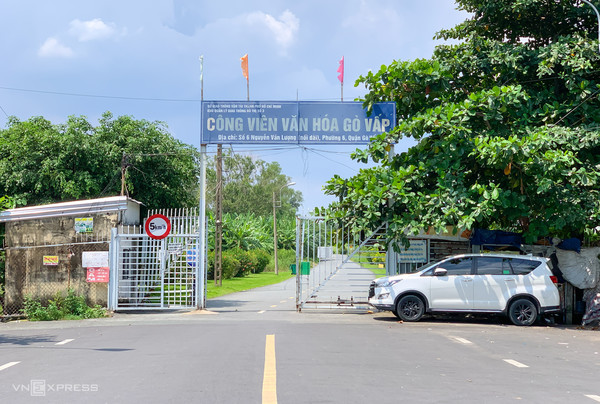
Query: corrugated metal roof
column 74, row 208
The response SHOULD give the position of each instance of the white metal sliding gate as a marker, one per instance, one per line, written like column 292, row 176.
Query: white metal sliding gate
column 326, row 278
column 157, row 274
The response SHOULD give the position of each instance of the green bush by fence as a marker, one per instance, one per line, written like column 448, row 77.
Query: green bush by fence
column 237, row 262
column 70, row 307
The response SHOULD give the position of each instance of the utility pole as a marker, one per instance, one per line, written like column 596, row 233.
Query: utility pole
column 275, row 236
column 124, row 166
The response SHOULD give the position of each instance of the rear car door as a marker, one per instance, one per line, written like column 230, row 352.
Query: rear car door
column 497, row 279
column 493, row 284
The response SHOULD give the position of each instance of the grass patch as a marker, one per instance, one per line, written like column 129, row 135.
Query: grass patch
column 373, row 267
column 247, row 282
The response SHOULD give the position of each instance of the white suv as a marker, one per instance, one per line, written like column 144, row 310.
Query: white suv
column 519, row 286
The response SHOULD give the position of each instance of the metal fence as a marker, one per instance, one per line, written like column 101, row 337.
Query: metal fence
column 31, row 273
column 331, row 261
column 158, row 274
column 151, row 273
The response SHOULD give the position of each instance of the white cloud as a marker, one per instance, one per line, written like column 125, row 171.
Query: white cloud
column 92, row 29
column 53, row 48
column 284, row 29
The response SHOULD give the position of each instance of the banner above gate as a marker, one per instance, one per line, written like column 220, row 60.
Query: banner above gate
column 289, row 122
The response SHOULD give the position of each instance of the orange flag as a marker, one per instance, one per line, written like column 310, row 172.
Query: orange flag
column 244, row 60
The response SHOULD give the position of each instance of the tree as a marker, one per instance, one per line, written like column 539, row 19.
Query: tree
column 248, row 186
column 506, row 122
column 42, row 163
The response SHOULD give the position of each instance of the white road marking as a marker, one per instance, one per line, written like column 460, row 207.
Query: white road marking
column 9, row 364
column 593, row 397
column 65, row 341
column 261, row 312
column 515, row 363
column 283, row 301
column 273, row 305
column 462, row 340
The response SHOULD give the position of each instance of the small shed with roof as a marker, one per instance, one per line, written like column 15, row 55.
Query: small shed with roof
column 51, row 248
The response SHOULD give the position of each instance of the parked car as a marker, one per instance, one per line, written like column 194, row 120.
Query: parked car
column 521, row 287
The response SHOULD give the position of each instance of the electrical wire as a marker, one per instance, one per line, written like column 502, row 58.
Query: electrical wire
column 26, row 90
column 118, row 97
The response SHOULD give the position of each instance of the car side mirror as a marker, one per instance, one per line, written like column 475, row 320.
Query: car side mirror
column 440, row 272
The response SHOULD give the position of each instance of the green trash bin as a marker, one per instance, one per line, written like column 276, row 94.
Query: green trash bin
column 305, row 268
column 293, row 269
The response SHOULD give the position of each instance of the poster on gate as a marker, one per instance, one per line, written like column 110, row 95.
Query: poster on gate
column 98, row 274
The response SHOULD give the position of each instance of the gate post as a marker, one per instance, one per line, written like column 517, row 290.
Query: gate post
column 113, row 255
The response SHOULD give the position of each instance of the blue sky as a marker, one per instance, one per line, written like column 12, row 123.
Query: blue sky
column 141, row 58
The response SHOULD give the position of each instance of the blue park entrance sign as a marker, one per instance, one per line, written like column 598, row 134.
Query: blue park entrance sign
column 289, row 122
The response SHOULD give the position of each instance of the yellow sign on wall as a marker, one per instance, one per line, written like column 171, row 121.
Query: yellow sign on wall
column 50, row 259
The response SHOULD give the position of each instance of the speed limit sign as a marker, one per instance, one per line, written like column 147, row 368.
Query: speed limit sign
column 158, row 226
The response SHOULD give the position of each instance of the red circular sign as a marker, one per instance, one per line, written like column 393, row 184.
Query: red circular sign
column 158, row 226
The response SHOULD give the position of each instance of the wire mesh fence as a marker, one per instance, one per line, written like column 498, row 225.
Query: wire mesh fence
column 42, row 272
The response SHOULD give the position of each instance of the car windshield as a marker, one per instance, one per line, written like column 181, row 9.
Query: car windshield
column 425, row 267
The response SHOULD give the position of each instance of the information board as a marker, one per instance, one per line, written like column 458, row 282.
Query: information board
column 289, row 122
column 416, row 253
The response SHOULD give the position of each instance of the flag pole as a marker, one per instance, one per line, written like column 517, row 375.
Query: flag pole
column 244, row 60
column 247, row 82
column 340, row 70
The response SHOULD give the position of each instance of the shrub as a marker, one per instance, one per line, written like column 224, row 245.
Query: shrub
column 261, row 259
column 231, row 266
column 72, row 306
column 245, row 260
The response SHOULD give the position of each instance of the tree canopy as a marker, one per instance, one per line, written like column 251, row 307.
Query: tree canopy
column 506, row 118
column 41, row 162
column 248, row 186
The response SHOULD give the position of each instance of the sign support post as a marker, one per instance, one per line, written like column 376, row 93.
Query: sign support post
column 201, row 264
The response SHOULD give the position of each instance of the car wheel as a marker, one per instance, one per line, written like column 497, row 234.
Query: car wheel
column 410, row 308
column 395, row 313
column 522, row 312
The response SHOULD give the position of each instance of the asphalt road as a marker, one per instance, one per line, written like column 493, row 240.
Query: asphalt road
column 223, row 355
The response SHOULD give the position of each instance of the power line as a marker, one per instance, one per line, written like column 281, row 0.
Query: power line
column 118, row 97
column 26, row 90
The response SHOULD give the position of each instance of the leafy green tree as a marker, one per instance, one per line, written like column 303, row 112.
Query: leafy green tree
column 246, row 232
column 42, row 163
column 506, row 121
column 248, row 186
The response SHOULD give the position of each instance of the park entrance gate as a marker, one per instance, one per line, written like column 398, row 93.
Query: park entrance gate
column 157, row 274
column 335, row 265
